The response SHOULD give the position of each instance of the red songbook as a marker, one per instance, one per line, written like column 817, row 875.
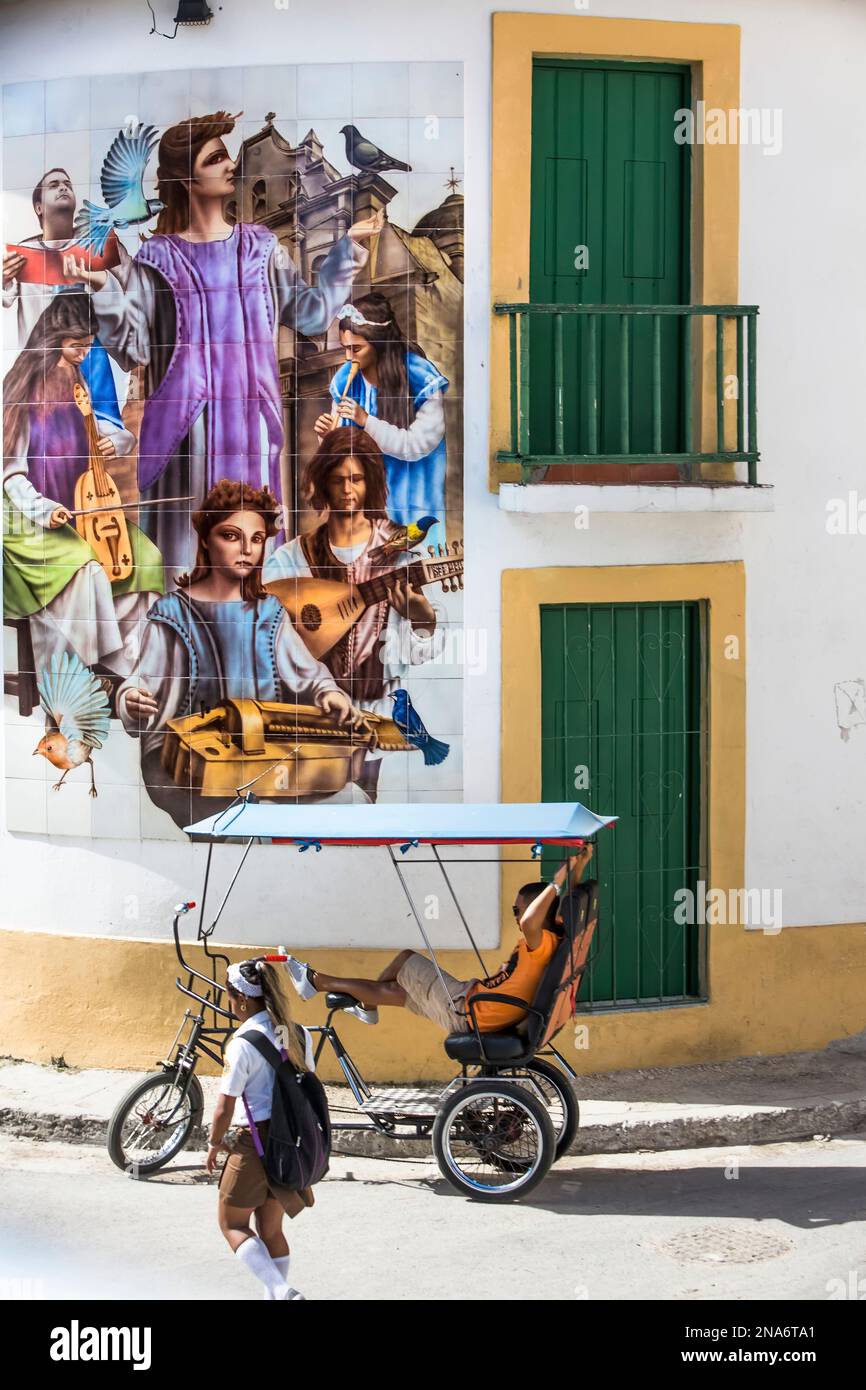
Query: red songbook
column 45, row 266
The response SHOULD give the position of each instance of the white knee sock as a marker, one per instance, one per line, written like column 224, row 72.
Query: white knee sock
column 254, row 1254
column 282, row 1264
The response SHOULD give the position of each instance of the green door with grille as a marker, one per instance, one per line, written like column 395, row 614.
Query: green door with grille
column 623, row 731
column 609, row 225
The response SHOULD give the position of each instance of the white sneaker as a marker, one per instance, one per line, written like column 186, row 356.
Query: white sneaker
column 365, row 1015
column 291, row 1295
column 299, row 974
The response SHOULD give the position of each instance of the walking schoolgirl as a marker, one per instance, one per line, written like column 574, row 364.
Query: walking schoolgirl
column 258, row 999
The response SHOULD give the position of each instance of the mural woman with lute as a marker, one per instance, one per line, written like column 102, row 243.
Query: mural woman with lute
column 53, row 576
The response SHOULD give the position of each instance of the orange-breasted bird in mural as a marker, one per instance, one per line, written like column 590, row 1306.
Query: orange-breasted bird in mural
column 78, row 716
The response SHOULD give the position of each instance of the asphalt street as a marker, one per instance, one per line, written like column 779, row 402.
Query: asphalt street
column 781, row 1221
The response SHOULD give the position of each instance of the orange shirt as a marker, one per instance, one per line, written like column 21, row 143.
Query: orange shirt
column 522, row 981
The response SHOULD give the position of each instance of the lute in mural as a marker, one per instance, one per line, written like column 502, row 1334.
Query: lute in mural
column 323, row 610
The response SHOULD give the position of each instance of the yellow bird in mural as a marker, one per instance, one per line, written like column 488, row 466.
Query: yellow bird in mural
column 403, row 538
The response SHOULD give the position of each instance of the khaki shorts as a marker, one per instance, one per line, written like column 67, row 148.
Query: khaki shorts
column 419, row 977
column 244, row 1182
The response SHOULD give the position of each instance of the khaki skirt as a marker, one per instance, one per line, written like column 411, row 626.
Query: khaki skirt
column 244, row 1182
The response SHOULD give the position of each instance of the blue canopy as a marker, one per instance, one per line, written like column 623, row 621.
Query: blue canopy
column 552, row 822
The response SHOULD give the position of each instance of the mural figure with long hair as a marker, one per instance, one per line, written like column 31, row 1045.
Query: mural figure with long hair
column 51, row 574
column 232, row 429
column 199, row 306
column 390, row 389
column 218, row 635
column 345, row 482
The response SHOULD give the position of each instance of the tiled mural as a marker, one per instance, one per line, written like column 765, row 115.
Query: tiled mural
column 232, row 489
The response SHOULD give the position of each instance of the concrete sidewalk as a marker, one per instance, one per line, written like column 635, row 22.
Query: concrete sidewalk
column 751, row 1100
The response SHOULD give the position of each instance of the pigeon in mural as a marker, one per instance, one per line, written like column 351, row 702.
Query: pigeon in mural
column 409, row 723
column 121, row 181
column 363, row 154
column 78, row 716
column 403, row 537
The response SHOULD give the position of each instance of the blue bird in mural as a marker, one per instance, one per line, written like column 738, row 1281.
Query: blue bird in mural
column 78, row 715
column 409, row 723
column 122, row 183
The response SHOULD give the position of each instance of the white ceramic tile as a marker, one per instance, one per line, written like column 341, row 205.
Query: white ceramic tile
column 69, row 808
column 324, row 89
column 114, row 98
column 216, row 89
column 23, row 162
column 436, row 145
column 444, row 776
column 270, row 88
column 20, row 741
column 118, row 761
column 19, row 219
column 452, row 795
column 69, row 150
column 24, row 108
column 380, row 89
column 26, row 805
column 436, row 89
column 67, row 104
column 156, row 824
column 116, row 813
column 164, row 97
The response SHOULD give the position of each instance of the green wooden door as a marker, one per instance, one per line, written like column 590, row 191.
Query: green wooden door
column 622, row 698
column 608, row 176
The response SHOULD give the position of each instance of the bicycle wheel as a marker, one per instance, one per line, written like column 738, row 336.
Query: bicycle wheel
column 557, row 1096
column 154, row 1121
column 493, row 1141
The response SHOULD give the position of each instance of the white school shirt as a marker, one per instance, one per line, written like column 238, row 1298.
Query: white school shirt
column 246, row 1069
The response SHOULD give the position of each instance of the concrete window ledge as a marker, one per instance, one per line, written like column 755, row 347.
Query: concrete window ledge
column 655, row 497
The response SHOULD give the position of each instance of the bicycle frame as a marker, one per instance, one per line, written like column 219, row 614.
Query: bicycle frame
column 212, row 1024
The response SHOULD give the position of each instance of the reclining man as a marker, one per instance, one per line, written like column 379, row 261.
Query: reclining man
column 412, row 980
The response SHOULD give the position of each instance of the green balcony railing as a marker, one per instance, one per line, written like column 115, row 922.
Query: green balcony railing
column 615, row 383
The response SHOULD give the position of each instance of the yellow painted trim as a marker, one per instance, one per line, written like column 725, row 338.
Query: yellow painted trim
column 103, row 1002
column 110, row 1002
column 713, row 51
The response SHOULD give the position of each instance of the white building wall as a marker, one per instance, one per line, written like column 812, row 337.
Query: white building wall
column 803, row 218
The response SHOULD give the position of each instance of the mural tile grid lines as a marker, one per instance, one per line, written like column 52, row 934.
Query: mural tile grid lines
column 233, row 474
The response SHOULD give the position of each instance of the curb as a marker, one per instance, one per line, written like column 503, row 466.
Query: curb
column 689, row 1132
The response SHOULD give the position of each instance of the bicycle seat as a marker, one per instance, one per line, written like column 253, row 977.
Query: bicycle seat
column 341, row 1001
column 498, row 1047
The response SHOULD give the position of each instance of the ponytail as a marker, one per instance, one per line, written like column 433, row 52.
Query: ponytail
column 277, row 1001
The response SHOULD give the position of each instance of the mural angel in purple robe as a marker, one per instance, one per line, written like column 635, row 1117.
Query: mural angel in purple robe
column 199, row 307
